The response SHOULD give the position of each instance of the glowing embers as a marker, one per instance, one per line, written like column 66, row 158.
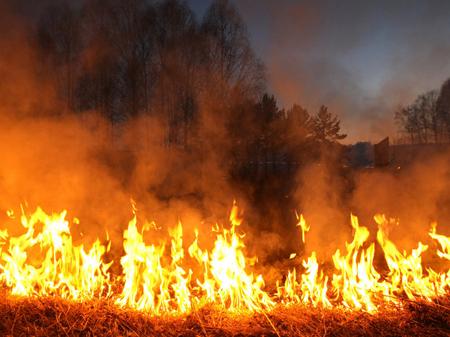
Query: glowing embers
column 172, row 277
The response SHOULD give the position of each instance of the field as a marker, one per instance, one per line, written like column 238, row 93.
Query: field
column 56, row 317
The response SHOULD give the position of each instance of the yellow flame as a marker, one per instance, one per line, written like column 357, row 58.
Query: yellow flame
column 166, row 278
column 303, row 225
column 48, row 263
column 356, row 284
column 444, row 242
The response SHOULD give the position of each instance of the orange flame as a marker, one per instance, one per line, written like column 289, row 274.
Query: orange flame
column 160, row 278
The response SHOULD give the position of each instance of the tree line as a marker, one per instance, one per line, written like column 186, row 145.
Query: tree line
column 199, row 78
column 125, row 58
column 427, row 119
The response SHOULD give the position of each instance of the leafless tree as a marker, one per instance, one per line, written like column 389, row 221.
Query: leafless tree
column 177, row 61
column 60, row 42
column 424, row 121
column 443, row 111
column 230, row 56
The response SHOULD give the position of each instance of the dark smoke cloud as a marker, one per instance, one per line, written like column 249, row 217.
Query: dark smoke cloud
column 361, row 58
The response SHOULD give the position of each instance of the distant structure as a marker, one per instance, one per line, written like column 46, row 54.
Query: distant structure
column 383, row 154
column 360, row 155
column 405, row 154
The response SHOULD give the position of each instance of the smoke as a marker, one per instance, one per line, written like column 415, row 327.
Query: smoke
column 361, row 59
column 321, row 197
column 22, row 92
column 59, row 161
column 68, row 162
column 414, row 195
column 417, row 195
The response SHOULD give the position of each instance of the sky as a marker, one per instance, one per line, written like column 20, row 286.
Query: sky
column 361, row 59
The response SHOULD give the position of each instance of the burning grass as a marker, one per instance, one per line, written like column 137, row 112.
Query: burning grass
column 45, row 262
column 57, row 317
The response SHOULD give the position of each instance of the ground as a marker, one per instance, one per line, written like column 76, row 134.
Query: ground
column 55, row 317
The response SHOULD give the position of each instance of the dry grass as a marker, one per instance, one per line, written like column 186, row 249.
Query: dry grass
column 55, row 317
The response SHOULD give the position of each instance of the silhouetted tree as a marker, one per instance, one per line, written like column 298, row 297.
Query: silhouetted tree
column 178, row 62
column 201, row 82
column 301, row 123
column 60, row 42
column 405, row 118
column 327, row 127
column 443, row 111
column 229, row 56
column 267, row 109
column 424, row 120
column 122, row 37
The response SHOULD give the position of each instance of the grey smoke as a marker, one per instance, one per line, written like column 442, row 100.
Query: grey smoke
column 360, row 58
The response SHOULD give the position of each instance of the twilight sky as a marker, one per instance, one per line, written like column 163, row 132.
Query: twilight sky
column 361, row 59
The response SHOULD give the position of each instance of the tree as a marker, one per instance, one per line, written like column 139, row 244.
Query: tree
column 300, row 122
column 422, row 120
column 327, row 127
column 178, row 61
column 229, row 55
column 428, row 118
column 122, row 37
column 406, row 121
column 443, row 111
column 267, row 109
column 60, row 42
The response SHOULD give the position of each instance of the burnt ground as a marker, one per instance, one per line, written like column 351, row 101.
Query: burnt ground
column 55, row 317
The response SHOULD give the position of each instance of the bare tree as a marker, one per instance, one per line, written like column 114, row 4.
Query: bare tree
column 177, row 61
column 125, row 30
column 443, row 111
column 230, row 56
column 422, row 120
column 60, row 43
column 427, row 115
column 406, row 121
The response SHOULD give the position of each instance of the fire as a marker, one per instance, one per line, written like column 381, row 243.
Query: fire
column 47, row 262
column 174, row 278
column 303, row 225
column 356, row 284
column 406, row 273
column 151, row 285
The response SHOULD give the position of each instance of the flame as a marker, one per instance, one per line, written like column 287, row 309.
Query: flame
column 313, row 285
column 152, row 286
column 444, row 242
column 174, row 278
column 406, row 273
column 48, row 263
column 356, row 284
column 303, row 225
column 226, row 279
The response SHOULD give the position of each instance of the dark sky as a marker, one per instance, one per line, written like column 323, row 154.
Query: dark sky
column 360, row 58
